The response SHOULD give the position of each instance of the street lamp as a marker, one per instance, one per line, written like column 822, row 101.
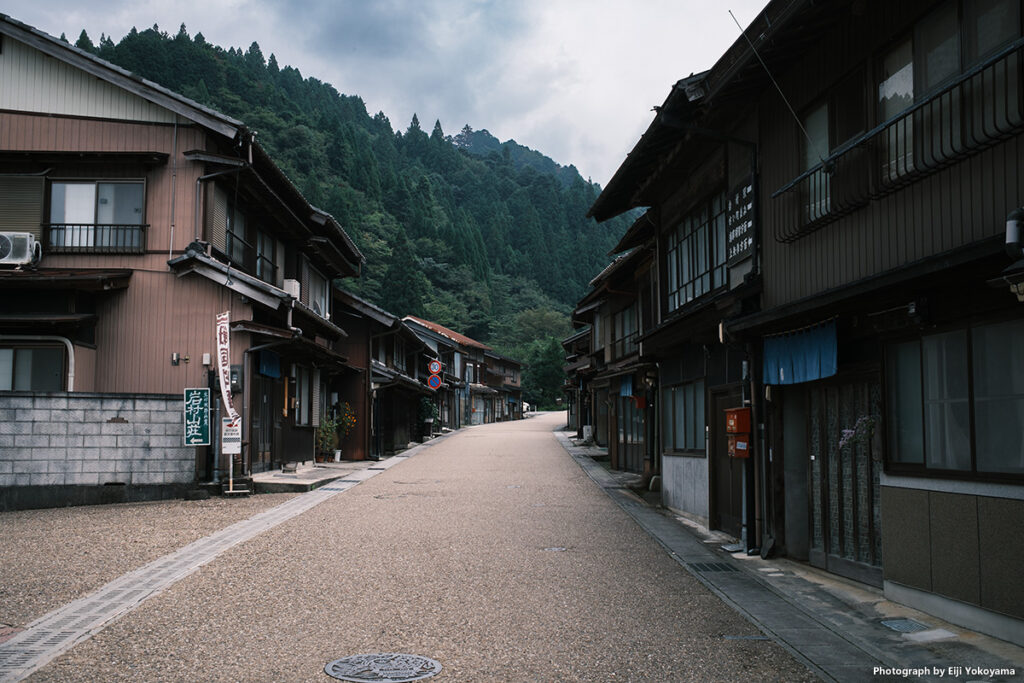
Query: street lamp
column 1013, row 276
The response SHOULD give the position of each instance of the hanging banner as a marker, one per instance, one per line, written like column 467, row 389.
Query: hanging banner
column 224, row 362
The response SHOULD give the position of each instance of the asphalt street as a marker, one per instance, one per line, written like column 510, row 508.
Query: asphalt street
column 491, row 552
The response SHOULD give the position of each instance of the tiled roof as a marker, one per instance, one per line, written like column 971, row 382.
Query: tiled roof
column 451, row 334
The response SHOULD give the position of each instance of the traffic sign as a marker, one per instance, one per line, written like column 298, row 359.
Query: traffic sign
column 435, row 367
column 434, row 381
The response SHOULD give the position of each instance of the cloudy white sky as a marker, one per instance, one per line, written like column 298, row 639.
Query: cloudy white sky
column 574, row 79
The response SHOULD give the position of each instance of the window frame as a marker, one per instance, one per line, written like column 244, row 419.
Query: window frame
column 399, row 357
column 303, row 396
column 17, row 348
column 89, row 239
column 322, row 298
column 235, row 219
column 922, row 468
column 690, row 249
column 625, row 331
column 668, row 427
column 266, row 257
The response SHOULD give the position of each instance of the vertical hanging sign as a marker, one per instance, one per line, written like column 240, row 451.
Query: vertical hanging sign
column 224, row 362
column 739, row 222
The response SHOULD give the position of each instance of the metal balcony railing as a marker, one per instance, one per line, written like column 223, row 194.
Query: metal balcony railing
column 976, row 110
column 71, row 238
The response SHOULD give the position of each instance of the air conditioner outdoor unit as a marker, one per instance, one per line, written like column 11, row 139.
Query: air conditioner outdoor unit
column 18, row 248
column 292, row 287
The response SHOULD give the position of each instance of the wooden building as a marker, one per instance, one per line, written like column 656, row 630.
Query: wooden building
column 145, row 216
column 479, row 385
column 577, row 369
column 878, row 317
column 504, row 376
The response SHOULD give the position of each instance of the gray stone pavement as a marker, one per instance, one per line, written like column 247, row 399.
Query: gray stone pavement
column 832, row 625
column 490, row 551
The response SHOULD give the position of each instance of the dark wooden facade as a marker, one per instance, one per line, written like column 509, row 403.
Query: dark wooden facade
column 875, row 319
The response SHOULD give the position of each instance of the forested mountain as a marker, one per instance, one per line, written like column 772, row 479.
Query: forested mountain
column 487, row 238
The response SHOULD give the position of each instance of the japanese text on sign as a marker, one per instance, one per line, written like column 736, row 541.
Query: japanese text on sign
column 739, row 222
column 197, row 417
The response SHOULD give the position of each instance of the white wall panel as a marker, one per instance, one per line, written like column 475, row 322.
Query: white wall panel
column 33, row 82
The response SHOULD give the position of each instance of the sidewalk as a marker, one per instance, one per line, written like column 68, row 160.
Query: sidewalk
column 834, row 626
column 309, row 475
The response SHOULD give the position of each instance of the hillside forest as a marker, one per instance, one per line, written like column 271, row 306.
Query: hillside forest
column 487, row 238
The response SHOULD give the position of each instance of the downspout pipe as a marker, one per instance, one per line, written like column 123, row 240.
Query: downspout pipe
column 50, row 338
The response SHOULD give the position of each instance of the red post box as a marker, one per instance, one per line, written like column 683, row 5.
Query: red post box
column 737, row 430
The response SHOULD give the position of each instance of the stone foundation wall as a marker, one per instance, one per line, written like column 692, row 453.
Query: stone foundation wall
column 62, row 441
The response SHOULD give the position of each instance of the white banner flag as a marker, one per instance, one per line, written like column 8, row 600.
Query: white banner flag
column 224, row 362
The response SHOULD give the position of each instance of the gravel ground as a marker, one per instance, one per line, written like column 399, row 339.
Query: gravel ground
column 491, row 552
column 50, row 557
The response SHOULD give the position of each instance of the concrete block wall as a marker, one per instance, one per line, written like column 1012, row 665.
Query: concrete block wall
column 88, row 439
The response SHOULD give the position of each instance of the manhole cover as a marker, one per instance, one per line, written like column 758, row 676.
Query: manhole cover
column 386, row 667
column 905, row 625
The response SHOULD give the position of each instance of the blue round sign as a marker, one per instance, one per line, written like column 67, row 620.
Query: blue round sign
column 434, row 381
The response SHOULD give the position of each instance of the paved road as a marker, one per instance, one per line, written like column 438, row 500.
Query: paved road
column 491, row 552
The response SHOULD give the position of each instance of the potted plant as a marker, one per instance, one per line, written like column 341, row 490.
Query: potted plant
column 326, row 436
column 428, row 413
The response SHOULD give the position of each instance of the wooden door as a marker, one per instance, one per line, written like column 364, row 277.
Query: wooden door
column 726, row 473
column 845, row 452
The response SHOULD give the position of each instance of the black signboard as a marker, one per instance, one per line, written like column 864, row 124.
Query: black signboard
column 739, row 222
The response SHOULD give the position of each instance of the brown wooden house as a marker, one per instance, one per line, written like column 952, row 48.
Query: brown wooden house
column 135, row 217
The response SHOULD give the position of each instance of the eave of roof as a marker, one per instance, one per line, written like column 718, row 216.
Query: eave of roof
column 82, row 279
column 104, row 70
column 364, row 307
column 779, row 32
column 451, row 334
column 193, row 261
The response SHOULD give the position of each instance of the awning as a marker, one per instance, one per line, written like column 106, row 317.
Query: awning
column 801, row 355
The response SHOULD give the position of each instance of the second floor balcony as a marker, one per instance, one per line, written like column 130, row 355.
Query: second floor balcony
column 972, row 112
column 72, row 238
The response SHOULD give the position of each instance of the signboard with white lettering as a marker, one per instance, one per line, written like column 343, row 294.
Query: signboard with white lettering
column 739, row 222
column 197, row 417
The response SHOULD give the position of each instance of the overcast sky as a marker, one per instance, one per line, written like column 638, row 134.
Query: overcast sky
column 573, row 79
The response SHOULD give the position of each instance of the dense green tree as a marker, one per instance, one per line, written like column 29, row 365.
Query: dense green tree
column 543, row 376
column 487, row 237
column 83, row 42
column 406, row 283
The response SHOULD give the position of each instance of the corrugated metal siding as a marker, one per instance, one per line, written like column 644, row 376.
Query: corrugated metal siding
column 21, row 200
column 160, row 314
column 42, row 133
column 85, row 368
column 35, row 82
